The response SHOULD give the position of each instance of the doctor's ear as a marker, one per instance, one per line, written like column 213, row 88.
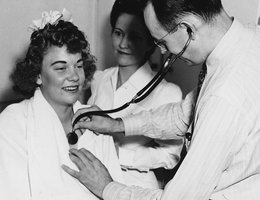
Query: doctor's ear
column 188, row 27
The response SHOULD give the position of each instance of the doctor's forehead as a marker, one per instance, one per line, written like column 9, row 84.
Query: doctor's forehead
column 152, row 23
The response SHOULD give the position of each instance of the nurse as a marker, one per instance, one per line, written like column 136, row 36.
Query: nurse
column 132, row 47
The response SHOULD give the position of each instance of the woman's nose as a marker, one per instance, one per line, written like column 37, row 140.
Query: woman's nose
column 124, row 43
column 73, row 74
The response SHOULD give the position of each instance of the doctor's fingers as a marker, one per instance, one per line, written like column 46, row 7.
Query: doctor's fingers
column 84, row 110
column 78, row 162
column 70, row 171
column 93, row 125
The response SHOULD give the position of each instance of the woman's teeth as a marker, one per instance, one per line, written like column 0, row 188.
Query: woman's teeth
column 71, row 88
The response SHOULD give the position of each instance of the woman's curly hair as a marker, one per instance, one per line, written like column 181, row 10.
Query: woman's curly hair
column 63, row 33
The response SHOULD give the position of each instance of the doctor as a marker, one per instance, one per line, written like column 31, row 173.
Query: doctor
column 222, row 161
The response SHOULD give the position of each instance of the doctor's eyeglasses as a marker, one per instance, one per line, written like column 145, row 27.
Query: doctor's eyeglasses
column 161, row 43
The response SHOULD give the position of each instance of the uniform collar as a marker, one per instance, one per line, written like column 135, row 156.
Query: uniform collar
column 137, row 80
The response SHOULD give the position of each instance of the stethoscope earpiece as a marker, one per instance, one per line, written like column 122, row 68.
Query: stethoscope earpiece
column 189, row 29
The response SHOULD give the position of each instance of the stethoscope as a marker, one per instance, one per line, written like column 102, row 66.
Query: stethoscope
column 142, row 94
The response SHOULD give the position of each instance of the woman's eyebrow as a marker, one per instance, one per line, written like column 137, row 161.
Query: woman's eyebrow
column 58, row 61
column 80, row 60
column 64, row 62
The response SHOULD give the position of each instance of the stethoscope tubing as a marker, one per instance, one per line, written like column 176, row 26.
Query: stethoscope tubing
column 143, row 93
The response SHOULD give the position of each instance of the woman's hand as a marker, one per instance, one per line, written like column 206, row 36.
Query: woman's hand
column 92, row 173
column 99, row 124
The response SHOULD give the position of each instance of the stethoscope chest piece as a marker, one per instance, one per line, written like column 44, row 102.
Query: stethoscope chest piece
column 72, row 138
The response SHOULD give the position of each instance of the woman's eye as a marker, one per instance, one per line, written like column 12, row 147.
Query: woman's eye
column 79, row 66
column 117, row 33
column 60, row 68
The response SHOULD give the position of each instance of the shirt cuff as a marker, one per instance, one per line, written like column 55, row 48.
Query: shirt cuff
column 112, row 190
column 132, row 124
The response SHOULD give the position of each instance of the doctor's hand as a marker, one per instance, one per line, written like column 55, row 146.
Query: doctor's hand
column 99, row 124
column 92, row 173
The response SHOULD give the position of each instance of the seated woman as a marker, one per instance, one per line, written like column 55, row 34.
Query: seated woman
column 33, row 142
column 133, row 45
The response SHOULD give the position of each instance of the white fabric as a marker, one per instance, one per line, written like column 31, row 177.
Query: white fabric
column 223, row 161
column 135, row 152
column 33, row 146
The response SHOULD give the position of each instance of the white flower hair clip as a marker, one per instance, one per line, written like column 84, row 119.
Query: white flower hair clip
column 52, row 17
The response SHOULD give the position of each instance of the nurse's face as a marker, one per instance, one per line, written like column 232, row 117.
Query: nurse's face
column 131, row 40
column 62, row 76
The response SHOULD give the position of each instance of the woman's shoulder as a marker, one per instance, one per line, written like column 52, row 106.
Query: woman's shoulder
column 102, row 76
column 105, row 72
column 13, row 120
column 16, row 109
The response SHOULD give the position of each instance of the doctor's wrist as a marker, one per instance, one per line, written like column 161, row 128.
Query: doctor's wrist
column 119, row 127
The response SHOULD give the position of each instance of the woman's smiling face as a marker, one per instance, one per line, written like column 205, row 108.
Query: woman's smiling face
column 130, row 40
column 62, row 76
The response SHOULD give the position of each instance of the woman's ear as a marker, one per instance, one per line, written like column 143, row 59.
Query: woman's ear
column 39, row 80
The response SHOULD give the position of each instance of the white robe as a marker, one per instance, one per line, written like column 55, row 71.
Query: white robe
column 33, row 146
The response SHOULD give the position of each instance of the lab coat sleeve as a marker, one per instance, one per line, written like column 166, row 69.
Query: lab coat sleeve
column 170, row 121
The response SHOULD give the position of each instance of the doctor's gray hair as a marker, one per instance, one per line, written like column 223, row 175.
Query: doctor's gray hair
column 169, row 11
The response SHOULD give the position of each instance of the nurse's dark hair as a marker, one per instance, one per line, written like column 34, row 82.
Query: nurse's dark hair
column 169, row 11
column 132, row 7
column 63, row 33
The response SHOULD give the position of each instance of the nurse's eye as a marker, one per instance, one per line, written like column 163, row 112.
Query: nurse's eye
column 117, row 33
